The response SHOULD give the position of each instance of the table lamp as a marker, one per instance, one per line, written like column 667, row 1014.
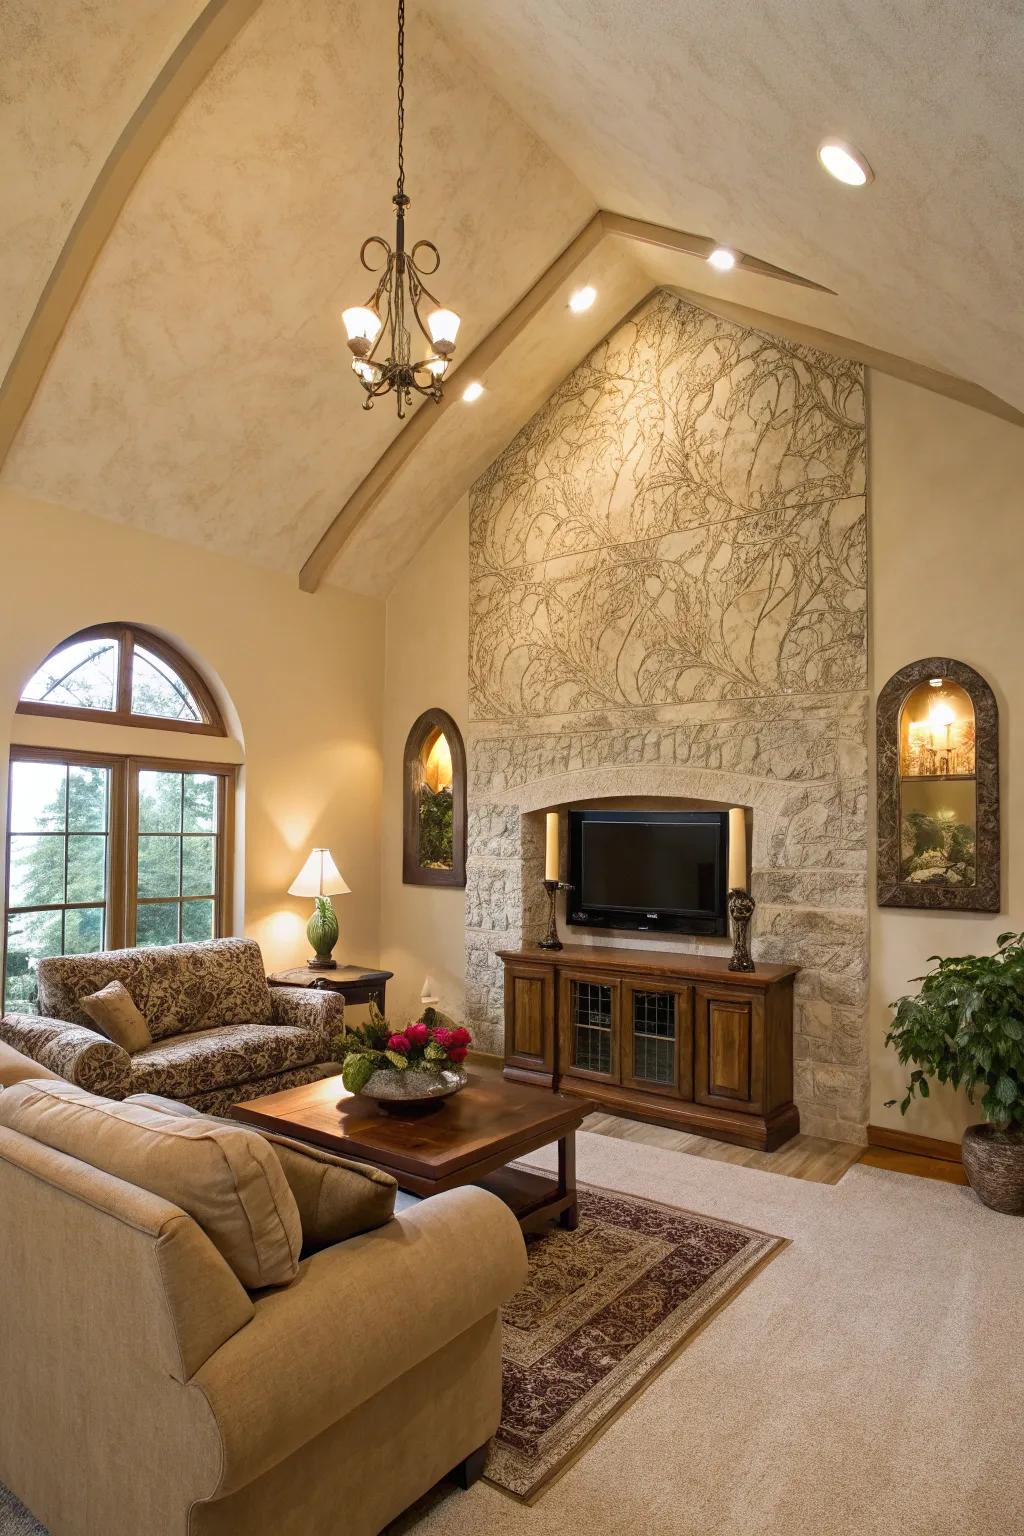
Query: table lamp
column 320, row 878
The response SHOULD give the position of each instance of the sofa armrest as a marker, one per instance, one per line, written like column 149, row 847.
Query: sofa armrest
column 77, row 1054
column 357, row 1317
column 306, row 1008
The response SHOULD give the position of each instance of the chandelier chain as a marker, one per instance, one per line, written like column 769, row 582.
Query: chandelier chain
column 401, row 98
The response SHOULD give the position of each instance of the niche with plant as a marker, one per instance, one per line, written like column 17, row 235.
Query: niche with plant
column 938, row 789
column 434, row 815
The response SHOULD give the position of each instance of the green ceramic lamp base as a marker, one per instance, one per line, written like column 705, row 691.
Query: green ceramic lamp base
column 322, row 933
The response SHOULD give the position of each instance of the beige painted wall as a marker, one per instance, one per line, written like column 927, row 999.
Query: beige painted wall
column 947, row 572
column 423, row 928
column 303, row 676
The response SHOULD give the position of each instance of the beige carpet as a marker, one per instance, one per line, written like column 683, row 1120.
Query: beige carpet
column 867, row 1384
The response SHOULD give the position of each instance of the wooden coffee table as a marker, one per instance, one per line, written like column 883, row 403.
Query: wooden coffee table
column 469, row 1138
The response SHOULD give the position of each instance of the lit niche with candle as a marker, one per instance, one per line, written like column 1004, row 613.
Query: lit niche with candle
column 434, row 820
column 938, row 789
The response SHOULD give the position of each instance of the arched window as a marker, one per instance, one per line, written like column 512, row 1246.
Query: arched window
column 106, row 850
column 124, row 675
column 434, row 813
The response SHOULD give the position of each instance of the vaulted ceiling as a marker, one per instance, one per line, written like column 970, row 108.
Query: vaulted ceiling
column 201, row 386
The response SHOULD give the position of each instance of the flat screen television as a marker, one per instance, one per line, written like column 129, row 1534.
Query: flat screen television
column 656, row 871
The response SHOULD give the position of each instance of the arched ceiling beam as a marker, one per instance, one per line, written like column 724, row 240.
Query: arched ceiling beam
column 601, row 227
column 214, row 29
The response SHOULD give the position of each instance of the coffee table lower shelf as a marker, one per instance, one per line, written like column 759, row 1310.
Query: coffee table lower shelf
column 535, row 1199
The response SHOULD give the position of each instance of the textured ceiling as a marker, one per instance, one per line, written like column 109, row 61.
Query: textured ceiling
column 202, row 388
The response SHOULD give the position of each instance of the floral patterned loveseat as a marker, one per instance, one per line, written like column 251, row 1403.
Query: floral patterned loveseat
column 220, row 1034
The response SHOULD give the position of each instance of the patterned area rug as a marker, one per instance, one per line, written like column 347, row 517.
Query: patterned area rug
column 604, row 1309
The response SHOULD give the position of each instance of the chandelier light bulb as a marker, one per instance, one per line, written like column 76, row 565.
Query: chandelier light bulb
column 443, row 325
column 437, row 366
column 722, row 259
column 582, row 299
column 363, row 327
column 370, row 373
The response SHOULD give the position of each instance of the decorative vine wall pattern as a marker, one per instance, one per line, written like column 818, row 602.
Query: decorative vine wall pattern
column 669, row 597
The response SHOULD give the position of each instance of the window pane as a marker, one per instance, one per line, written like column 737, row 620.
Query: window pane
column 37, row 870
column 157, row 924
column 197, row 866
column 157, row 689
column 87, row 799
column 159, row 801
column 83, row 930
column 82, row 675
column 30, row 937
column 196, row 920
column 159, row 871
column 200, row 802
column 38, row 797
column 87, row 874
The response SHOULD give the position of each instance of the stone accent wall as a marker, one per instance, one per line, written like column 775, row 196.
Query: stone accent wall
column 668, row 598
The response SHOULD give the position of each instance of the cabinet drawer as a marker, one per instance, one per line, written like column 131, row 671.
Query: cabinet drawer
column 530, row 1017
column 729, row 1050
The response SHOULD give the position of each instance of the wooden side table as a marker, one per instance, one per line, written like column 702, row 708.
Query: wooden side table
column 356, row 984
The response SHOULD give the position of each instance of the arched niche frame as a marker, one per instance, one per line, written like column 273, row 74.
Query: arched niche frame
column 434, row 802
column 937, row 738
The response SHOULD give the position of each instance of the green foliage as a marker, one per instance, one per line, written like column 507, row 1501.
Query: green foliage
column 397, row 1060
column 357, row 1071
column 966, row 1027
column 436, row 834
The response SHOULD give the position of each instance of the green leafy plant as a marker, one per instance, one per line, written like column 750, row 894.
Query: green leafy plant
column 966, row 1027
column 430, row 1043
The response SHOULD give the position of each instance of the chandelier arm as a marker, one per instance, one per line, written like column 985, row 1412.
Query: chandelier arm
column 389, row 255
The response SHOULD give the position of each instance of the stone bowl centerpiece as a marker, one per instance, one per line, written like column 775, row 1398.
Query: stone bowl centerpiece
column 406, row 1071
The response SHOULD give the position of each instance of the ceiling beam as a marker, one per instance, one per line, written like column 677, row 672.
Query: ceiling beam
column 214, row 29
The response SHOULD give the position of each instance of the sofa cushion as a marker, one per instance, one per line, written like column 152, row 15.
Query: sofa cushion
column 337, row 1198
column 219, row 1058
column 115, row 1015
column 15, row 1068
column 178, row 988
column 227, row 1178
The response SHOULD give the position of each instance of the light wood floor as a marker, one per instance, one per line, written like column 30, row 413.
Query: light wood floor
column 804, row 1157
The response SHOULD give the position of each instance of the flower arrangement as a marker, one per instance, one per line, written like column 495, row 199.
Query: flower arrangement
column 429, row 1044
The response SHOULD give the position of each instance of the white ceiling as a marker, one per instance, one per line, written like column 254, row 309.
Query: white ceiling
column 202, row 387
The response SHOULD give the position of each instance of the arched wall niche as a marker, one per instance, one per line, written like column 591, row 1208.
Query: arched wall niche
column 434, row 802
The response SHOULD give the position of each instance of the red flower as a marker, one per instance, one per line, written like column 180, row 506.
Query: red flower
column 417, row 1034
column 400, row 1043
column 461, row 1036
column 443, row 1035
column 457, row 1053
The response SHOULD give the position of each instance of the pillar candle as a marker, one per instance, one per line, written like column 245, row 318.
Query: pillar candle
column 737, row 849
column 551, row 847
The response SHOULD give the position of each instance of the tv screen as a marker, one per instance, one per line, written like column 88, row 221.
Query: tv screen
column 648, row 870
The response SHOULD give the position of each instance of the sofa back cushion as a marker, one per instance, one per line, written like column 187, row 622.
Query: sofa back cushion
column 337, row 1197
column 178, row 988
column 226, row 1178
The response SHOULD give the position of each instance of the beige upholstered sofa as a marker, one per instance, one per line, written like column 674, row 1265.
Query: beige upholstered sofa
column 147, row 1392
column 220, row 1034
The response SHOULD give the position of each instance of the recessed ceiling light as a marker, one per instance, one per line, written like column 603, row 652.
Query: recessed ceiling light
column 722, row 259
column 582, row 299
column 845, row 163
column 472, row 391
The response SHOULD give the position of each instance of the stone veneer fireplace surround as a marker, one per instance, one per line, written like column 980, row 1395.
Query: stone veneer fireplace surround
column 668, row 600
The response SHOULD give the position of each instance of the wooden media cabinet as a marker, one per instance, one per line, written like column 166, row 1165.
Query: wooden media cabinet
column 676, row 1039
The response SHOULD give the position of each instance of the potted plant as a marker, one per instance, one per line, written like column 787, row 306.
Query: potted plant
column 966, row 1027
column 404, row 1069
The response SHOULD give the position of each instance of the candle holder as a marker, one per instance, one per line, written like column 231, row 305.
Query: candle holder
column 551, row 939
column 741, row 910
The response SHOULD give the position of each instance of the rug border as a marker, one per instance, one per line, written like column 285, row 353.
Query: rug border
column 779, row 1244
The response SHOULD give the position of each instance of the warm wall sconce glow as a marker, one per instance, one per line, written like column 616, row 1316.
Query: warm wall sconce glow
column 472, row 392
column 722, row 259
column 582, row 299
column 845, row 163
column 437, row 770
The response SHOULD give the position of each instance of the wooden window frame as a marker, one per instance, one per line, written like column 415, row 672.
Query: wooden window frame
column 413, row 872
column 127, row 636
column 123, row 835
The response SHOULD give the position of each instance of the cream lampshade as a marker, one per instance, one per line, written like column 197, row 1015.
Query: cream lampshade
column 321, row 878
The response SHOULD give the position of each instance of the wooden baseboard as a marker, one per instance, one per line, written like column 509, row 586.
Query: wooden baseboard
column 907, row 1141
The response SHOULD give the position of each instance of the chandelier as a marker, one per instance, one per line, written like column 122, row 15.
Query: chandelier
column 384, row 319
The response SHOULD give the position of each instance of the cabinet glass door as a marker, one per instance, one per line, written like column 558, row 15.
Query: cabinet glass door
column 589, row 1009
column 657, row 1046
